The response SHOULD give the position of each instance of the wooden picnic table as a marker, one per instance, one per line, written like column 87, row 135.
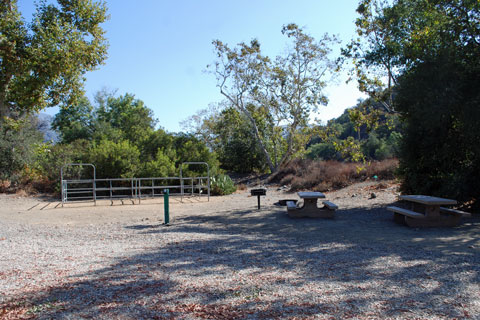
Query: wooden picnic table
column 427, row 211
column 310, row 208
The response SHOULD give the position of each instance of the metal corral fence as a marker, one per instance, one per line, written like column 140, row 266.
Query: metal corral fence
column 76, row 190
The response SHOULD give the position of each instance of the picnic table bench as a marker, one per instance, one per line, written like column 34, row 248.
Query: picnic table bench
column 426, row 211
column 310, row 208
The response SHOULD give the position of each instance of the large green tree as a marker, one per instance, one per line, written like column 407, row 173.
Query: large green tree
column 440, row 103
column 376, row 52
column 42, row 63
column 433, row 47
column 75, row 122
column 130, row 115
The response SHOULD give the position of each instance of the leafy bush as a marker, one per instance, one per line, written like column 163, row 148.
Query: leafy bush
column 115, row 160
column 49, row 158
column 16, row 140
column 379, row 148
column 189, row 149
column 322, row 151
column 222, row 185
column 162, row 166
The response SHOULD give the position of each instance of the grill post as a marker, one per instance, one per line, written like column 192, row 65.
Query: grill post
column 258, row 193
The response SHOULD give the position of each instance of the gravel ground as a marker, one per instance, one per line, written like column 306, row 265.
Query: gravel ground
column 224, row 259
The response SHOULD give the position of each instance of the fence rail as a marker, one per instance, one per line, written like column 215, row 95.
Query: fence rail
column 75, row 190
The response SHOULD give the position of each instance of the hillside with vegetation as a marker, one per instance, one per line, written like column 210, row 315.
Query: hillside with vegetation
column 417, row 60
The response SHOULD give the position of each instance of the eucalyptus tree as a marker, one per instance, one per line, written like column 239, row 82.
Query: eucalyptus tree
column 297, row 83
column 202, row 124
column 241, row 73
column 288, row 88
column 42, row 63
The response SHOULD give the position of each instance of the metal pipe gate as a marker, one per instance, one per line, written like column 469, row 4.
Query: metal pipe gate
column 81, row 190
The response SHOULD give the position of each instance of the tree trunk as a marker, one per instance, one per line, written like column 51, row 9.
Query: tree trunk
column 3, row 108
column 270, row 164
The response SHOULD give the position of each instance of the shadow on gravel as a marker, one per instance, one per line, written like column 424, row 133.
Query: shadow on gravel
column 264, row 265
column 144, row 226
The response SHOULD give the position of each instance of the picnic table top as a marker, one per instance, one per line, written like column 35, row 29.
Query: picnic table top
column 310, row 195
column 427, row 200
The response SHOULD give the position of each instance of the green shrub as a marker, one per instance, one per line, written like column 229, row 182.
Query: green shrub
column 222, row 185
column 17, row 138
column 161, row 166
column 322, row 151
column 49, row 159
column 115, row 160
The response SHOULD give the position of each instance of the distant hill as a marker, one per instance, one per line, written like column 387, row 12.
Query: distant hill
column 44, row 125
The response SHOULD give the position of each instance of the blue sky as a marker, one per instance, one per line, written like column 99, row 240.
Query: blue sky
column 159, row 49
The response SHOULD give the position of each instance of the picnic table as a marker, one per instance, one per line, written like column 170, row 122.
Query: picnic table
column 427, row 211
column 310, row 207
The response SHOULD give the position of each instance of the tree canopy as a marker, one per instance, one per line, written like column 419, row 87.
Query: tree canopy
column 42, row 63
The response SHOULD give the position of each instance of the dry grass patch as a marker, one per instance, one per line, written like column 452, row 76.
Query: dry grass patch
column 328, row 175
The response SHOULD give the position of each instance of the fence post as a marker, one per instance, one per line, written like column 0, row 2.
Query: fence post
column 166, row 194
column 111, row 194
column 139, row 191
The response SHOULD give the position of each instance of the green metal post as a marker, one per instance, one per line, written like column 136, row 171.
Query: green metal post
column 166, row 194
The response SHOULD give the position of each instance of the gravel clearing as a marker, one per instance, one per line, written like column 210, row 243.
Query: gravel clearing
column 224, row 259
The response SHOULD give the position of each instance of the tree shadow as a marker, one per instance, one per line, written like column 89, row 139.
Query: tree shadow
column 262, row 264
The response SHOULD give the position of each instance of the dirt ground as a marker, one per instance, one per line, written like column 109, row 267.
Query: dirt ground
column 222, row 258
column 362, row 212
column 49, row 211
